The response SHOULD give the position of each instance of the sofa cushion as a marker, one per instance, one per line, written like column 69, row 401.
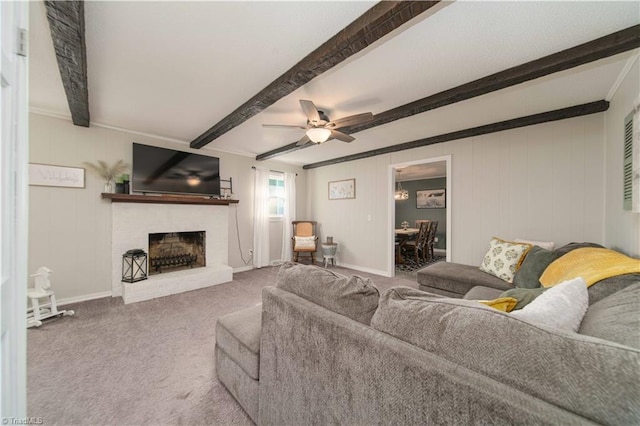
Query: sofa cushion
column 504, row 258
column 480, row 292
column 458, row 278
column 565, row 368
column 354, row 297
column 238, row 335
column 592, row 264
column 608, row 286
column 533, row 265
column 244, row 389
column 615, row 318
column 562, row 306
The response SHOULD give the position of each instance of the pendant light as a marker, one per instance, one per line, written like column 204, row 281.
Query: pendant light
column 400, row 194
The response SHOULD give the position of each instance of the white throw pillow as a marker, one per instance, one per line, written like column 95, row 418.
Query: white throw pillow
column 504, row 258
column 562, row 306
column 549, row 245
column 305, row 242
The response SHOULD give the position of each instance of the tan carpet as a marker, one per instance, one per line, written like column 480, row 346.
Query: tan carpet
column 147, row 363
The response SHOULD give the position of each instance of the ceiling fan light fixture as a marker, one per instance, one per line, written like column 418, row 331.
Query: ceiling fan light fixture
column 318, row 134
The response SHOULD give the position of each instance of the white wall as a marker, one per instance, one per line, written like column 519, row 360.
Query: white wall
column 70, row 229
column 622, row 228
column 543, row 182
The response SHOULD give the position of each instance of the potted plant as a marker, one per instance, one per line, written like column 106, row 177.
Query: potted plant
column 106, row 172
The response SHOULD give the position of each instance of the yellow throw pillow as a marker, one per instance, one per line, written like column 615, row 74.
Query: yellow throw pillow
column 592, row 264
column 504, row 304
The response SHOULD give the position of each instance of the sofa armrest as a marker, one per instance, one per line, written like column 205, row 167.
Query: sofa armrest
column 319, row 367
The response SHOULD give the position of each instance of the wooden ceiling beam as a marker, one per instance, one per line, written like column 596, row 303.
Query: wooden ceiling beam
column 374, row 24
column 529, row 120
column 600, row 48
column 66, row 23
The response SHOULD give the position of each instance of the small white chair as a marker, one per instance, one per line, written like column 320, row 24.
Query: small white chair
column 37, row 312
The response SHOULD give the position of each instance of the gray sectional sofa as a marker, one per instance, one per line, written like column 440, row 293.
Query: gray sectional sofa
column 327, row 349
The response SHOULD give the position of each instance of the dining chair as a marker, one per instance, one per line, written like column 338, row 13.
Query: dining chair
column 419, row 221
column 418, row 245
column 304, row 239
column 428, row 252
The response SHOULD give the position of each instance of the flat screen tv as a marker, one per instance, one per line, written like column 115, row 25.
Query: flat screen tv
column 174, row 172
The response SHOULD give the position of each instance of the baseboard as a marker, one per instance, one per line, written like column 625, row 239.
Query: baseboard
column 84, row 298
column 368, row 270
column 243, row 269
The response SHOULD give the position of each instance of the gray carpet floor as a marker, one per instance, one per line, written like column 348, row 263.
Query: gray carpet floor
column 147, row 363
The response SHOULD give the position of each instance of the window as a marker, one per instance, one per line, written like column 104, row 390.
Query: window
column 276, row 195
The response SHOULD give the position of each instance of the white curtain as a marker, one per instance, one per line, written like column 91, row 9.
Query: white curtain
column 289, row 214
column 261, row 218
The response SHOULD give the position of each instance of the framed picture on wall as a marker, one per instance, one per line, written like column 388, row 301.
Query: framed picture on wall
column 431, row 199
column 61, row 176
column 342, row 189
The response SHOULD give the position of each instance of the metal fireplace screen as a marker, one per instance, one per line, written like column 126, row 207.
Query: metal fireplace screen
column 175, row 251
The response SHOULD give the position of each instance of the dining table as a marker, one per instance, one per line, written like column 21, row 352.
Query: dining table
column 402, row 236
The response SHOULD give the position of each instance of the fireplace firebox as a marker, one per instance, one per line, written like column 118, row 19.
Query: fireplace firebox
column 176, row 251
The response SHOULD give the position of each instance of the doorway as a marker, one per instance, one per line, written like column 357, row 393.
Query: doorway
column 418, row 180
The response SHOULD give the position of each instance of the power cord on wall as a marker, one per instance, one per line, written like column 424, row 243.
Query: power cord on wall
column 246, row 262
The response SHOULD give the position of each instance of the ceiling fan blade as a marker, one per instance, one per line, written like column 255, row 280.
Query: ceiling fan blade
column 303, row 141
column 341, row 136
column 310, row 110
column 288, row 126
column 351, row 120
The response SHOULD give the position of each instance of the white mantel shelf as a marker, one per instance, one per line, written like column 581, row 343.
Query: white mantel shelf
column 165, row 199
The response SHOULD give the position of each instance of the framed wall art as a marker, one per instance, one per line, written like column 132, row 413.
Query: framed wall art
column 342, row 189
column 60, row 176
column 431, row 199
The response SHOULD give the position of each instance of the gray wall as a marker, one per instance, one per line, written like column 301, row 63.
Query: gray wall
column 407, row 210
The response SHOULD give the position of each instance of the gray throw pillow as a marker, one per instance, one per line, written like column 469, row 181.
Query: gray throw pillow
column 560, row 251
column 354, row 297
column 524, row 296
column 534, row 264
column 615, row 318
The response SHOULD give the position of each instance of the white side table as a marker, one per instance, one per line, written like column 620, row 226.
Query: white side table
column 329, row 252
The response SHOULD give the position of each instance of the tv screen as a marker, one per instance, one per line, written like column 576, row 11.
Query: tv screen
column 175, row 172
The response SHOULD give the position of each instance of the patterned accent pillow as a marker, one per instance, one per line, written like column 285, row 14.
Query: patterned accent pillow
column 504, row 258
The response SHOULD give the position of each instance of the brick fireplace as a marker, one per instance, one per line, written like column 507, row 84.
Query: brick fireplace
column 132, row 225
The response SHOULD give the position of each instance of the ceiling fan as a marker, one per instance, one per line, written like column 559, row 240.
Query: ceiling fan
column 320, row 129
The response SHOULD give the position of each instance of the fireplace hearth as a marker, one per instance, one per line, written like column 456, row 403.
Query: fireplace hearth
column 176, row 251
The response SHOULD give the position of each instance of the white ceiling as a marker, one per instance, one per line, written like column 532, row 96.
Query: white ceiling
column 174, row 69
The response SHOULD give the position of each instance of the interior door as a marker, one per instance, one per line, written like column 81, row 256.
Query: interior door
column 14, row 211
